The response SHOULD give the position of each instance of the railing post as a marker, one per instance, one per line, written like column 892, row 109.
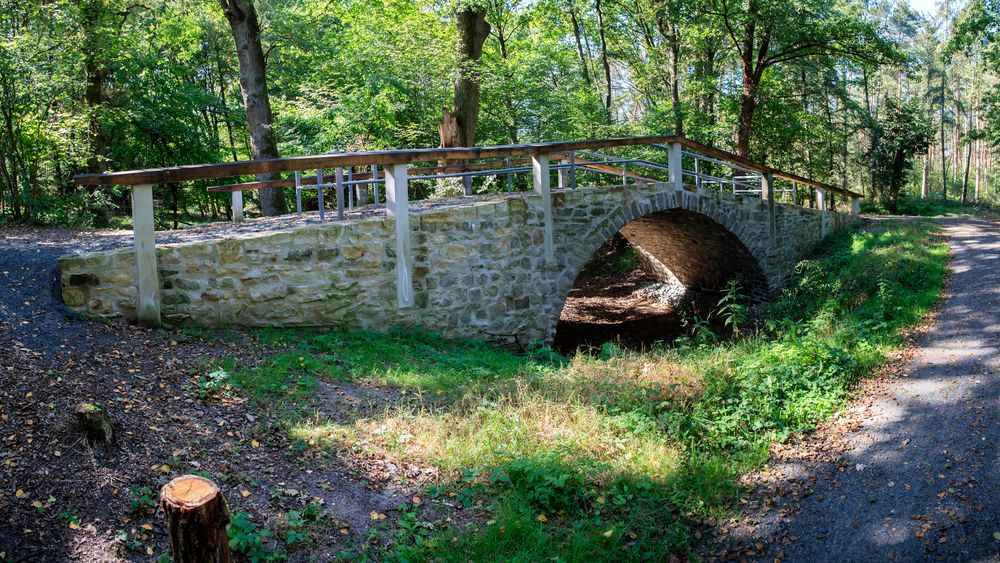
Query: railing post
column 237, row 207
column 319, row 194
column 572, row 170
column 821, row 204
column 398, row 206
column 147, row 276
column 563, row 181
column 510, row 180
column 540, row 178
column 675, row 163
column 767, row 192
column 855, row 207
column 338, row 178
column 375, row 183
column 298, row 192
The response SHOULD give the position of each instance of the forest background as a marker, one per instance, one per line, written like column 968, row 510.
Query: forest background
column 868, row 95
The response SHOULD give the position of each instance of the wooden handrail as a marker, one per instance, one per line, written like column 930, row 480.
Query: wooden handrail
column 409, row 156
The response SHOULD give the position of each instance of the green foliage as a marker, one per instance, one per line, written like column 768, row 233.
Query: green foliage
column 143, row 501
column 247, row 538
column 70, row 517
column 613, row 457
column 216, row 382
column 118, row 85
column 901, row 133
column 732, row 309
column 300, row 525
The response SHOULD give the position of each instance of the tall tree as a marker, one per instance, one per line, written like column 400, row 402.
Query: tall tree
column 765, row 33
column 245, row 27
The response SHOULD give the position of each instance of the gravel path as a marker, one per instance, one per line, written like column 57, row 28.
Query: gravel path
column 915, row 472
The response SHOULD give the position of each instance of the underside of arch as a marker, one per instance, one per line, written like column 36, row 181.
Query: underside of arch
column 695, row 250
column 685, row 259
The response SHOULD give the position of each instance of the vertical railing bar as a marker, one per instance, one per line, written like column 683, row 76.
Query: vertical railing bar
column 350, row 179
column 338, row 176
column 375, row 183
column 510, row 180
column 298, row 192
column 572, row 170
column 697, row 172
column 319, row 194
column 350, row 195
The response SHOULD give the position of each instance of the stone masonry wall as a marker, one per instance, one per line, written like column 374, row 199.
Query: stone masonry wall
column 478, row 269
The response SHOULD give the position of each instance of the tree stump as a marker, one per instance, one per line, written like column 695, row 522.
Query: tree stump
column 95, row 425
column 196, row 517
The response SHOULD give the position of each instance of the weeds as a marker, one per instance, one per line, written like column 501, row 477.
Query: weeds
column 611, row 457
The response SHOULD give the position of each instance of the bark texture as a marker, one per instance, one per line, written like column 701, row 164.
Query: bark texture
column 197, row 516
column 245, row 27
column 458, row 126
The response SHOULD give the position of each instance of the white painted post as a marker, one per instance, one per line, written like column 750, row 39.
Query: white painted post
column 338, row 180
column 675, row 164
column 563, row 174
column 767, row 192
column 540, row 178
column 855, row 207
column 398, row 206
column 821, row 203
column 237, row 206
column 146, row 274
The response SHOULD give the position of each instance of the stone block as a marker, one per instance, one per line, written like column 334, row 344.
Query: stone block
column 268, row 293
column 73, row 297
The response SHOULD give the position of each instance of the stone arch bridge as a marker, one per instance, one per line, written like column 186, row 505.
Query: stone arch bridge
column 502, row 266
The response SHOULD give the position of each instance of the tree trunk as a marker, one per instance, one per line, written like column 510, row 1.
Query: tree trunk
column 579, row 44
column 458, row 126
column 748, row 104
column 924, row 187
column 944, row 157
column 896, row 180
column 671, row 33
column 93, row 97
column 245, row 27
column 753, row 66
column 604, row 59
column 965, row 179
column 196, row 516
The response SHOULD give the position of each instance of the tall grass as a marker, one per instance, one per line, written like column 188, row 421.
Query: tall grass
column 612, row 457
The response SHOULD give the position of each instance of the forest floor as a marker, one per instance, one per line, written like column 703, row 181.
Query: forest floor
column 62, row 498
column 909, row 470
column 356, row 444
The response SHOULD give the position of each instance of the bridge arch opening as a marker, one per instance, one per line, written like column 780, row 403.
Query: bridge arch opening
column 639, row 286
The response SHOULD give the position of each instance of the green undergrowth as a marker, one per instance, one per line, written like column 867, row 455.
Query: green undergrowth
column 620, row 456
column 934, row 207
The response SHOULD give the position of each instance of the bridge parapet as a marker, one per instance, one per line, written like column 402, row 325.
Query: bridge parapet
column 482, row 266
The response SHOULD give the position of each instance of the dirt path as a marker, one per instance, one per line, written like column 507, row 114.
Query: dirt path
column 912, row 470
column 61, row 499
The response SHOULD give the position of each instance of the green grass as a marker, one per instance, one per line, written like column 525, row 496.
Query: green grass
column 614, row 457
column 934, row 207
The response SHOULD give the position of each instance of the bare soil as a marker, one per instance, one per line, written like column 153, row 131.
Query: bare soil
column 611, row 303
column 62, row 498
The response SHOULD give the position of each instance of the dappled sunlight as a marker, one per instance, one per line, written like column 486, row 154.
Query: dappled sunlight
column 539, row 435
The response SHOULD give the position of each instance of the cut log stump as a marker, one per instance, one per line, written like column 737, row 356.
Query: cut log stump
column 95, row 425
column 197, row 516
